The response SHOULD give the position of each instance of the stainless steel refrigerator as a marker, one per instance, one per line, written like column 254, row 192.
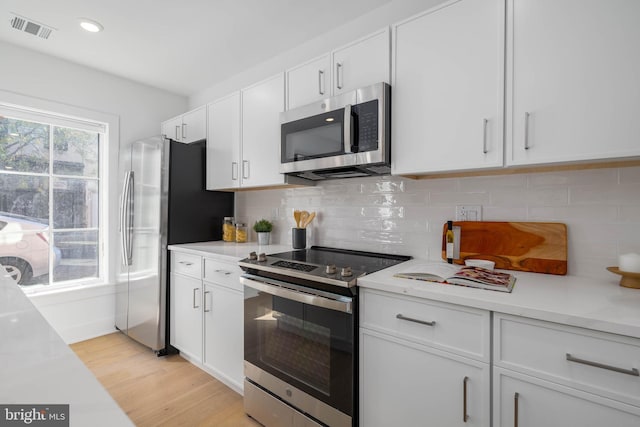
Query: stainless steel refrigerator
column 163, row 201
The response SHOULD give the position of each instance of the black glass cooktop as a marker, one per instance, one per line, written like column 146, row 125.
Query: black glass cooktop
column 367, row 262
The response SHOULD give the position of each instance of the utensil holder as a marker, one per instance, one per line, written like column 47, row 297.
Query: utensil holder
column 299, row 238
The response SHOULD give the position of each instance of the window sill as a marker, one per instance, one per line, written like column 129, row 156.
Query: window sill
column 75, row 290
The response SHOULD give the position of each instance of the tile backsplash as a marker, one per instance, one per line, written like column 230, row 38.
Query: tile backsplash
column 601, row 208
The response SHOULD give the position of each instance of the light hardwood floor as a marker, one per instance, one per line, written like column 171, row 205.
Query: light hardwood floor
column 160, row 391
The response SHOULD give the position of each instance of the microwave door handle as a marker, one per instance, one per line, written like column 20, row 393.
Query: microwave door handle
column 347, row 128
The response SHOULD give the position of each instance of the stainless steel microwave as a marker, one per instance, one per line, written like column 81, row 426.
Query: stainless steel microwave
column 340, row 137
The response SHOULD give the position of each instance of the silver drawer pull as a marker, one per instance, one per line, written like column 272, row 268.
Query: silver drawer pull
column 409, row 319
column 185, row 263
column 632, row 371
column 225, row 272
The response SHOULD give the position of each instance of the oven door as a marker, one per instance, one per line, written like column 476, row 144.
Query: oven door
column 303, row 337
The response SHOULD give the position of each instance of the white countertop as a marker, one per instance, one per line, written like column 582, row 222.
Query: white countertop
column 578, row 301
column 571, row 300
column 232, row 252
column 38, row 368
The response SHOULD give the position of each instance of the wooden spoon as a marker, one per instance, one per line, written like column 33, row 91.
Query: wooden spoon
column 296, row 216
column 303, row 218
column 308, row 220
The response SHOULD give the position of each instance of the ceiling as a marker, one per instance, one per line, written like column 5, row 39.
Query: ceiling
column 181, row 46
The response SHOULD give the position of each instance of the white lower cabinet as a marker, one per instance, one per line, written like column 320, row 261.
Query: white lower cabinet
column 206, row 315
column 547, row 374
column 408, row 384
column 406, row 378
column 223, row 324
column 525, row 401
column 186, row 315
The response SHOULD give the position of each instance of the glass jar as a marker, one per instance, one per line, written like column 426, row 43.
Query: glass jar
column 241, row 233
column 228, row 229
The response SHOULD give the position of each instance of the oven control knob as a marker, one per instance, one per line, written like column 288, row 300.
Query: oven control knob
column 262, row 257
column 330, row 269
column 253, row 256
column 346, row 272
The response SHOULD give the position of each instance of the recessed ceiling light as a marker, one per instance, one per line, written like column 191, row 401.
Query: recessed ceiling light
column 91, row 25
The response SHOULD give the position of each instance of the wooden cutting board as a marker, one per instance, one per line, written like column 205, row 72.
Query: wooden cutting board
column 539, row 247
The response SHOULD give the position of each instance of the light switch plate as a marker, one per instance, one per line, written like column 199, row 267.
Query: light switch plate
column 469, row 213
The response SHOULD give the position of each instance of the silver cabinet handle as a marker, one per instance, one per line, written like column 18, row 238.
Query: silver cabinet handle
column 633, row 371
column 347, row 128
column 410, row 319
column 205, row 302
column 516, row 396
column 234, row 171
column 245, row 170
column 225, row 272
column 321, row 82
column 177, row 130
column 484, row 136
column 526, row 130
column 339, row 82
column 184, row 131
column 465, row 417
column 185, row 263
column 194, row 297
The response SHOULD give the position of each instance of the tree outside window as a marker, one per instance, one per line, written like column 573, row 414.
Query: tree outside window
column 49, row 202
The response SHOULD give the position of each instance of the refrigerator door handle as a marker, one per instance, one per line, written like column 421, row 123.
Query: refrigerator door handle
column 126, row 216
column 124, row 198
column 130, row 217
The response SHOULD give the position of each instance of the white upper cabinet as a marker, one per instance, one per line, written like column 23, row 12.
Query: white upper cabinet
column 261, row 107
column 448, row 89
column 223, row 143
column 309, row 82
column 572, row 80
column 172, row 128
column 361, row 63
column 194, row 125
column 187, row 128
column 243, row 144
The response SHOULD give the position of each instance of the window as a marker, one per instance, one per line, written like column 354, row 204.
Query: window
column 50, row 181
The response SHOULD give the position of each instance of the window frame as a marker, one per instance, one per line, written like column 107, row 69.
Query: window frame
column 107, row 125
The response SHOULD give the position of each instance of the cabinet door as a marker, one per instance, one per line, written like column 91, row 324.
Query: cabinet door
column 309, row 82
column 538, row 403
column 194, row 125
column 447, row 89
column 406, row 384
column 363, row 63
column 172, row 128
column 261, row 108
column 223, row 334
column 186, row 315
column 572, row 80
column 223, row 143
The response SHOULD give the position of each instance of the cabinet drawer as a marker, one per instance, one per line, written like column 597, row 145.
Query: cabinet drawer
column 187, row 264
column 450, row 327
column 597, row 362
column 222, row 273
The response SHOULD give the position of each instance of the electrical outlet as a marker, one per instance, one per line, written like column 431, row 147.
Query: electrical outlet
column 469, row 213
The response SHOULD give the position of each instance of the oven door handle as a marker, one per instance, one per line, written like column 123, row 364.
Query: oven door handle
column 278, row 290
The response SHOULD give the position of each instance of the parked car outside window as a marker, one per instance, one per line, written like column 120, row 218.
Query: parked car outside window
column 24, row 247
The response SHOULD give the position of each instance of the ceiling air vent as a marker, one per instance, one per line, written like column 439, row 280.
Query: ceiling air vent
column 30, row 26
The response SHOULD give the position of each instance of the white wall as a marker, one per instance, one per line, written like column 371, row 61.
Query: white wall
column 394, row 11
column 28, row 77
column 601, row 208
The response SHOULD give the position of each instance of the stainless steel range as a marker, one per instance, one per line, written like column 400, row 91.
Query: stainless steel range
column 300, row 334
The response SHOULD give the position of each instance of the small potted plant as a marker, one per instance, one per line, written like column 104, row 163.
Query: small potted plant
column 263, row 229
